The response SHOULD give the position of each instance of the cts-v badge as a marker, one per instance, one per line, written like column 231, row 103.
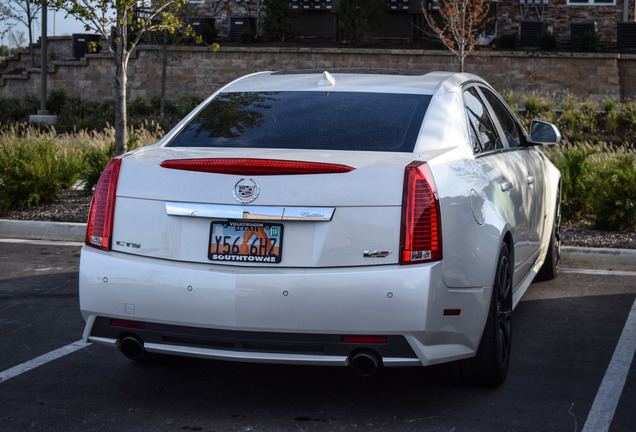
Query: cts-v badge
column 245, row 191
column 375, row 254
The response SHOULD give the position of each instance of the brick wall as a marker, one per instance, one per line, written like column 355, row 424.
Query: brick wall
column 198, row 71
column 558, row 16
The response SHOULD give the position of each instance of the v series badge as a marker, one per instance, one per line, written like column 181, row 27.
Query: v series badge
column 375, row 254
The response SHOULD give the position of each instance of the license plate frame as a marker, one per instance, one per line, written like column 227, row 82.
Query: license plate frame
column 245, row 241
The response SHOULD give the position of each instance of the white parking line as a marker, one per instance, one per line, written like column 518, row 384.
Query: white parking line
column 42, row 242
column 43, row 359
column 598, row 272
column 609, row 393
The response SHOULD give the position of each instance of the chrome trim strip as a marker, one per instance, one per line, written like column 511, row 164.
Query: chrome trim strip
column 224, row 211
column 102, row 340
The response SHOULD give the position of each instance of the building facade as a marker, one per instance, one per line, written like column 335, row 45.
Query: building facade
column 403, row 19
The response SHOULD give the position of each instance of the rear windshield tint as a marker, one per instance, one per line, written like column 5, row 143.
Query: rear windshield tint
column 308, row 120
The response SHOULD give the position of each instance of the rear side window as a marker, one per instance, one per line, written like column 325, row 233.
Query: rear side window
column 508, row 123
column 308, row 120
column 483, row 129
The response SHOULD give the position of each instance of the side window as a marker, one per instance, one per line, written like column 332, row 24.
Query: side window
column 483, row 129
column 508, row 123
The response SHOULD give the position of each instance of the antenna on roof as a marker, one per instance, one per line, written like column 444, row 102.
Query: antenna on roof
column 327, row 80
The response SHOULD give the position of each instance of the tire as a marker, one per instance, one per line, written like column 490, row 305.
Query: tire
column 550, row 268
column 490, row 366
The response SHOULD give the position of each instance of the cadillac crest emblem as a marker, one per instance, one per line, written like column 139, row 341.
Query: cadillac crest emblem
column 245, row 191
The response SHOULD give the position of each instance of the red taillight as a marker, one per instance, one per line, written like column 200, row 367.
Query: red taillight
column 99, row 230
column 244, row 166
column 127, row 324
column 421, row 222
column 364, row 339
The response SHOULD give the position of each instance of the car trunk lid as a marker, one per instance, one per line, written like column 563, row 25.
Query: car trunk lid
column 334, row 219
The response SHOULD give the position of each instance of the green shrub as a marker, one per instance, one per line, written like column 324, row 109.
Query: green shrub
column 547, row 42
column 247, row 36
column 569, row 103
column 75, row 114
column 95, row 161
column 280, row 21
column 573, row 163
column 610, row 105
column 179, row 108
column 629, row 114
column 98, row 155
column 591, row 42
column 141, row 107
column 36, row 164
column 588, row 118
column 568, row 119
column 507, row 41
column 612, row 121
column 511, row 100
column 34, row 170
column 613, row 194
column 358, row 20
column 537, row 106
column 18, row 110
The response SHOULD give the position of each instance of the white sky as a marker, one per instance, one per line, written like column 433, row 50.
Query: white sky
column 57, row 25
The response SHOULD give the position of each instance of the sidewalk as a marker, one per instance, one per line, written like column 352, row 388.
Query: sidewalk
column 575, row 257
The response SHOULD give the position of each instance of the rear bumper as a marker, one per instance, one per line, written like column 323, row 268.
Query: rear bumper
column 280, row 315
column 328, row 350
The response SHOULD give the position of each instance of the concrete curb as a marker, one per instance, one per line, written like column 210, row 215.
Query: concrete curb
column 589, row 258
column 599, row 258
column 42, row 230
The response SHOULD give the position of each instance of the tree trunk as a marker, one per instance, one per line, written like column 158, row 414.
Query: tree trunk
column 29, row 21
column 164, row 71
column 121, row 126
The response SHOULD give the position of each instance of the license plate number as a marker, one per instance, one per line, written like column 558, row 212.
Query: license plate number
column 240, row 241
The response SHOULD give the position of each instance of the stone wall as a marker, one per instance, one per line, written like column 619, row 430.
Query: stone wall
column 558, row 16
column 199, row 71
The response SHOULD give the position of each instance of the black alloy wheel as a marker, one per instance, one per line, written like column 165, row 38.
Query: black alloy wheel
column 550, row 268
column 503, row 291
column 489, row 367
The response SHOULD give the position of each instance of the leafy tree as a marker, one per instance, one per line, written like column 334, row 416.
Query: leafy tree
column 24, row 12
column 280, row 21
column 129, row 21
column 462, row 22
column 17, row 38
column 164, row 39
column 358, row 20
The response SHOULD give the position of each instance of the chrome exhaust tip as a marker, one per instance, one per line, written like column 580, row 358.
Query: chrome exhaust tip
column 132, row 347
column 365, row 363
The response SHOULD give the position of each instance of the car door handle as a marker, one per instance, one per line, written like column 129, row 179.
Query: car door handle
column 505, row 185
column 530, row 180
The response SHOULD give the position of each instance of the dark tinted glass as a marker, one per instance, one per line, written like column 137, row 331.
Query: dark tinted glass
column 308, row 120
column 508, row 123
column 483, row 127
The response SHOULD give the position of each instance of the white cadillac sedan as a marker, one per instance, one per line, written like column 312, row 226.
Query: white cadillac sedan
column 344, row 219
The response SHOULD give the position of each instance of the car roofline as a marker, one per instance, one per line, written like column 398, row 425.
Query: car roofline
column 379, row 80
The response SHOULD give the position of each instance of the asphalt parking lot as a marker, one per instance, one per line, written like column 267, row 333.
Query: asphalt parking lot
column 571, row 369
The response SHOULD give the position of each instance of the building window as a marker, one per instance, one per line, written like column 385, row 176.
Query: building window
column 591, row 2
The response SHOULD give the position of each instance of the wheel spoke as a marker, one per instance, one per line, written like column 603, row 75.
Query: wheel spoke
column 504, row 309
column 505, row 281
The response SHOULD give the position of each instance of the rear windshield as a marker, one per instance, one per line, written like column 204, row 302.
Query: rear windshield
column 308, row 120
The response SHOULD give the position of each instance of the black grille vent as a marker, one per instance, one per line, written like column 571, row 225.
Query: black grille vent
column 245, row 346
column 626, row 37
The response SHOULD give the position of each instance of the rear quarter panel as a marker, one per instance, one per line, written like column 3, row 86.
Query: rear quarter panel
column 472, row 226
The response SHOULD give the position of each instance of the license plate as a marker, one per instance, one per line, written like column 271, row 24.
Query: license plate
column 241, row 241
